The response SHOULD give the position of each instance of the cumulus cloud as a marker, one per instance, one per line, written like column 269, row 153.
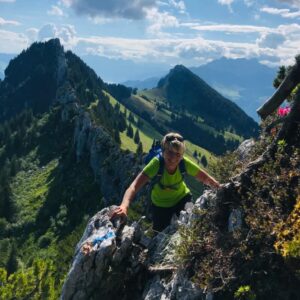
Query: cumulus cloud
column 271, row 40
column 65, row 33
column 284, row 12
column 160, row 20
column 277, row 46
column 55, row 11
column 8, row 22
column 169, row 50
column 113, row 8
column 32, row 34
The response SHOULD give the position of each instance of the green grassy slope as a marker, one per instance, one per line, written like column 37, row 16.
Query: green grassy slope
column 54, row 197
column 148, row 133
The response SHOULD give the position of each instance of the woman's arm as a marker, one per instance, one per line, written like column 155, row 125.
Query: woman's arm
column 132, row 190
column 207, row 179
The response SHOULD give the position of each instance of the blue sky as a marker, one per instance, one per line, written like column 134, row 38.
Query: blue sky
column 190, row 32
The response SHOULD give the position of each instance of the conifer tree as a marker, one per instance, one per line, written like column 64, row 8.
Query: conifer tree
column 12, row 263
column 131, row 117
column 137, row 137
column 139, row 149
column 204, row 161
column 14, row 165
column 121, row 122
column 8, row 204
column 129, row 131
column 117, row 136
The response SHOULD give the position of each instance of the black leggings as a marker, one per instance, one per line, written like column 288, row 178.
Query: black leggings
column 161, row 216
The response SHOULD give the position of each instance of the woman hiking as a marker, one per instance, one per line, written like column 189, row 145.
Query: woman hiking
column 169, row 192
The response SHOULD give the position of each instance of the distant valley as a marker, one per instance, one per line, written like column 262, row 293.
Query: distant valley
column 246, row 82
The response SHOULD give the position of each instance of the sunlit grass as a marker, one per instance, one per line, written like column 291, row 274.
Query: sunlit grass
column 30, row 190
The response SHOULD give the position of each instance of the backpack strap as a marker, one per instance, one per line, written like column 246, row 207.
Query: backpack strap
column 157, row 177
column 182, row 168
column 161, row 166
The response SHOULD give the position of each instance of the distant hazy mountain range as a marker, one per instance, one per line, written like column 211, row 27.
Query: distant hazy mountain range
column 245, row 81
column 120, row 70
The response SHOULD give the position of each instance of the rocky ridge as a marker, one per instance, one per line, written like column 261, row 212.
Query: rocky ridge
column 121, row 262
column 126, row 262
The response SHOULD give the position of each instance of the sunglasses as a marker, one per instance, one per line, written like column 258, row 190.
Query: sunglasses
column 173, row 138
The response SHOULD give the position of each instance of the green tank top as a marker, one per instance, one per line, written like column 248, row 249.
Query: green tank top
column 163, row 196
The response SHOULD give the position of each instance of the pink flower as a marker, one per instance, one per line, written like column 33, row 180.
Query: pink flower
column 283, row 111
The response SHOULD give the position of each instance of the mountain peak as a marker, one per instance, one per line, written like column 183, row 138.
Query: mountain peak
column 182, row 88
column 177, row 73
column 34, row 77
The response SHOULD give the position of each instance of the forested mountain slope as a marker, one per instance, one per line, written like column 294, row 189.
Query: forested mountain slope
column 63, row 141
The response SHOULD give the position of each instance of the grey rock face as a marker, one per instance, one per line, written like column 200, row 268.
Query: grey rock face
column 244, row 149
column 235, row 220
column 119, row 266
column 113, row 169
column 66, row 94
column 83, row 125
column 101, row 258
column 61, row 70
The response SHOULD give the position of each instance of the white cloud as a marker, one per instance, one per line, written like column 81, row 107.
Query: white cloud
column 271, row 40
column 284, row 12
column 113, row 8
column 65, row 33
column 8, row 22
column 160, row 20
column 7, row 1
column 226, row 2
column 12, row 42
column 178, row 5
column 32, row 34
column 229, row 28
column 172, row 51
column 55, row 11
column 275, row 45
column 249, row 2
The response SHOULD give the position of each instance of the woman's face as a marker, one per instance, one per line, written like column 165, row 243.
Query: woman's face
column 172, row 157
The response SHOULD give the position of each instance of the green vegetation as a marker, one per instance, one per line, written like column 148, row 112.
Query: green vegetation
column 164, row 116
column 188, row 92
column 51, row 197
column 261, row 259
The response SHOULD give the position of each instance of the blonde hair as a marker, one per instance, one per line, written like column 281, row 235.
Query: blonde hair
column 173, row 140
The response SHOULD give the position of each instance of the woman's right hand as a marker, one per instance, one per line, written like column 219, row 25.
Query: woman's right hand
column 120, row 211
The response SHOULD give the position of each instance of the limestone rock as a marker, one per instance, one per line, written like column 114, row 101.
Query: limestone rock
column 244, row 148
column 235, row 220
column 119, row 266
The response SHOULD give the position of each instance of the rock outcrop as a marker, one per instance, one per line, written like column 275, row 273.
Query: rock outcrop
column 115, row 261
column 113, row 169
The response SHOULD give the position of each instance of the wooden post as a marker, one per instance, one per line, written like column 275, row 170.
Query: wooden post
column 283, row 91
